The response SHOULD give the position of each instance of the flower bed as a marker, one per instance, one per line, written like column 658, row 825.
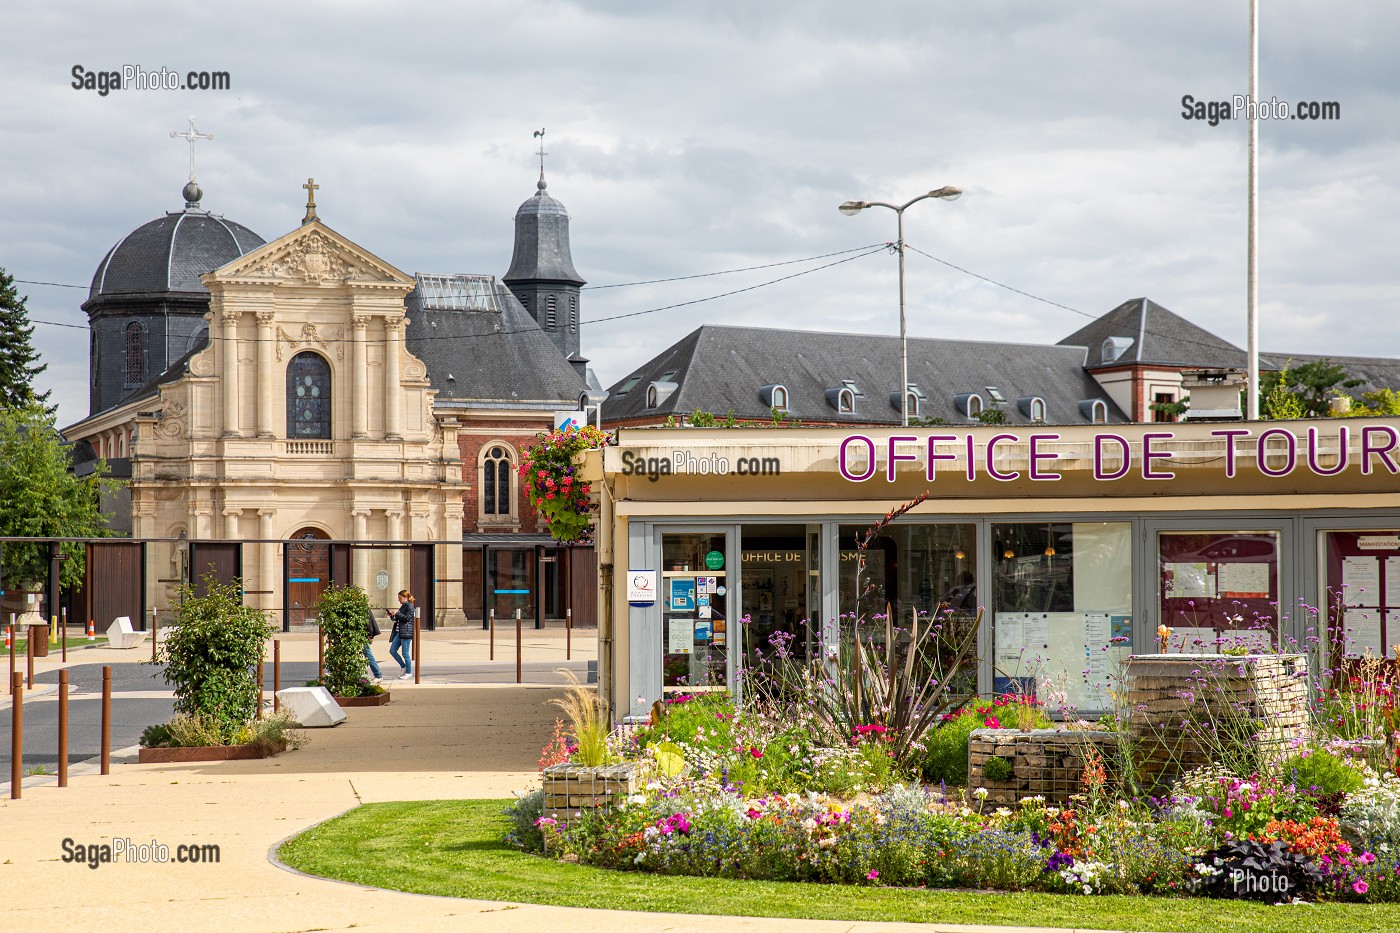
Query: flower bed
column 1049, row 763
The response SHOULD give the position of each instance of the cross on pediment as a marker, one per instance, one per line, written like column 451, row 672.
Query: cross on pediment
column 310, row 187
column 191, row 136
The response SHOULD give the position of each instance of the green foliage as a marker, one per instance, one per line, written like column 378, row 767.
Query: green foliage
column 156, row 736
column 945, row 747
column 1322, row 772
column 670, row 758
column 926, row 422
column 1312, row 386
column 40, row 498
column 547, row 475
column 18, row 358
column 590, row 728
column 997, row 769
column 704, row 419
column 992, row 416
column 1382, row 403
column 343, row 614
column 1173, row 409
column 195, row 731
column 275, row 733
column 211, row 656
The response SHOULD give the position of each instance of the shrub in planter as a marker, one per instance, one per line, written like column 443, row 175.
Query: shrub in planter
column 998, row 769
column 211, row 655
column 343, row 614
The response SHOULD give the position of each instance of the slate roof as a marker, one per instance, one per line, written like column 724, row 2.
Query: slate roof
column 170, row 253
column 481, row 346
column 718, row 368
column 1157, row 336
column 542, row 250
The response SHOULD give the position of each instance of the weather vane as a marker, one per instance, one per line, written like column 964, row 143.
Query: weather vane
column 539, row 134
column 191, row 136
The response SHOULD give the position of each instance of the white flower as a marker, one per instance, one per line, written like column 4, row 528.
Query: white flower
column 1052, row 812
column 1003, row 811
column 980, row 793
column 637, row 798
column 1032, row 800
column 638, row 859
column 1123, row 805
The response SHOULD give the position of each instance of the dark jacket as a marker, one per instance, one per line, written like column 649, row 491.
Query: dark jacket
column 372, row 626
column 403, row 621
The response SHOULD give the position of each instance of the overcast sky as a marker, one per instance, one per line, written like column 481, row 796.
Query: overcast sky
column 696, row 137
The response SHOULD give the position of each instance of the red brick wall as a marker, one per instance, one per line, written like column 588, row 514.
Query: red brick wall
column 520, row 435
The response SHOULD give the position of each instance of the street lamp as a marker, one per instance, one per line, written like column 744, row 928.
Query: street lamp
column 850, row 209
column 594, row 399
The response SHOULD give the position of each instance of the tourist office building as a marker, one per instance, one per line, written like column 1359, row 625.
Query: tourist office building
column 1077, row 542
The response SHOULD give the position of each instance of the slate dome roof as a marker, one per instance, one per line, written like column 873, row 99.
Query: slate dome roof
column 542, row 250
column 170, row 253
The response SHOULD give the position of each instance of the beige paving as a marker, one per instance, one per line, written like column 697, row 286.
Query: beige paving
column 434, row 743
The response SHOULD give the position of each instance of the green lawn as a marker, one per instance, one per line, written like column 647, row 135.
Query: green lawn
column 454, row 848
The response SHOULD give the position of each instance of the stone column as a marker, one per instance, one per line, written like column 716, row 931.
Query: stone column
column 267, row 563
column 360, row 564
column 231, row 517
column 267, row 384
column 393, row 392
column 359, row 381
column 228, row 333
column 398, row 557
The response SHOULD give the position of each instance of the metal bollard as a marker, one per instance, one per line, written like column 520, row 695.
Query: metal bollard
column 29, row 650
column 260, row 682
column 107, row 719
column 518, row 678
column 63, row 728
column 63, row 634
column 16, row 737
column 276, row 674
column 491, row 623
column 10, row 631
column 320, row 652
column 569, row 634
column 155, row 634
column 417, row 641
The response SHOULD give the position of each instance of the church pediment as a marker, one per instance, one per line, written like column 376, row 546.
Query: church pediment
column 312, row 254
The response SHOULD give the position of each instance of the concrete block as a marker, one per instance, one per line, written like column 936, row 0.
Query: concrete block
column 120, row 634
column 312, row 707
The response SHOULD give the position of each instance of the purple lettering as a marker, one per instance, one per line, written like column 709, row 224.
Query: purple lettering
column 1125, row 456
column 842, row 460
column 894, row 458
column 1037, row 456
column 1148, row 455
column 1343, row 441
column 971, row 459
column 992, row 470
column 933, row 457
column 1230, row 436
column 1382, row 452
column 1292, row 452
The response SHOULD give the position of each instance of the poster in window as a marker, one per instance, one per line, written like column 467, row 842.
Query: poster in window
column 1392, row 582
column 1190, row 581
column 1361, row 633
column 1192, row 640
column 1361, row 580
column 682, row 594
column 682, row 639
column 1242, row 580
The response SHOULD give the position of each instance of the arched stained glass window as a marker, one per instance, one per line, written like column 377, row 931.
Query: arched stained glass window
column 309, row 397
column 496, row 479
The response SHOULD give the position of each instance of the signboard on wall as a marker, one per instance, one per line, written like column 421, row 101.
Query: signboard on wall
column 641, row 587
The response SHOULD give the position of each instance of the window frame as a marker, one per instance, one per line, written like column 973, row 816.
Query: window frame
column 507, row 467
column 327, row 399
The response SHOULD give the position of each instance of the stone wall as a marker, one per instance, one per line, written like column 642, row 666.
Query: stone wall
column 1047, row 763
column 571, row 786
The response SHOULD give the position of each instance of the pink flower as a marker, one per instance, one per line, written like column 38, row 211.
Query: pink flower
column 875, row 874
column 992, row 722
column 756, row 752
column 1367, row 858
column 1360, row 887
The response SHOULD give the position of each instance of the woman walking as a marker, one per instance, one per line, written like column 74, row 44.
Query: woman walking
column 401, row 641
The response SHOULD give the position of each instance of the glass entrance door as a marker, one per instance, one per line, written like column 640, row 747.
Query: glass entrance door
column 695, row 621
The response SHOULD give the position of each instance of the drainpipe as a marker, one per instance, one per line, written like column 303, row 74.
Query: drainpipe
column 605, row 594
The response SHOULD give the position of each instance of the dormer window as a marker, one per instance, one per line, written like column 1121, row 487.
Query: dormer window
column 914, row 396
column 855, row 389
column 1095, row 409
column 969, row 404
column 774, row 396
column 629, row 385
column 843, row 399
column 659, row 391
column 1114, row 347
column 1033, row 407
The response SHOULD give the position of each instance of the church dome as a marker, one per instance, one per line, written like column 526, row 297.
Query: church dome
column 542, row 242
column 170, row 253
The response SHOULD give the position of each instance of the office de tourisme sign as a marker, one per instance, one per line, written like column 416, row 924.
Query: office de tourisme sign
column 1010, row 456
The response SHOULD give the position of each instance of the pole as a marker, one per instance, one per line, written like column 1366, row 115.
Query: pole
column 155, row 634
column 491, row 626
column 320, row 651
column 10, row 638
column 63, row 728
column 16, row 737
column 261, row 658
column 29, row 659
column 64, row 636
column 517, row 646
column 903, row 336
column 106, row 719
column 1252, row 273
column 417, row 642
column 276, row 674
column 569, row 634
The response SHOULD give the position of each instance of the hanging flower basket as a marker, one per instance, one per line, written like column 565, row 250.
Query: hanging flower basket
column 549, row 475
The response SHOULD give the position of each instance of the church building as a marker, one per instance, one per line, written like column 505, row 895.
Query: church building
column 304, row 390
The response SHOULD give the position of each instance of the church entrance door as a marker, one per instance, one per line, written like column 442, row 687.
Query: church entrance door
column 308, row 566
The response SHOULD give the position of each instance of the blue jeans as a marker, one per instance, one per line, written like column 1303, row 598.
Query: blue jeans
column 404, row 656
column 373, row 664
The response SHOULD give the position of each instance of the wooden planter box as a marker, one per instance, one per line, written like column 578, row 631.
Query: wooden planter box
column 380, row 699
column 1045, row 763
column 572, row 786
column 204, row 753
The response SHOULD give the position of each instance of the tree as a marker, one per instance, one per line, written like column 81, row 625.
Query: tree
column 1382, row 403
column 41, row 498
column 1315, row 384
column 19, row 362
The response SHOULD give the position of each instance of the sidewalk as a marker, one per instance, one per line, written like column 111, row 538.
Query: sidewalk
column 446, row 742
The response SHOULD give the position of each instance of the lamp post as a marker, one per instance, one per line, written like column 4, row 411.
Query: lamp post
column 850, row 209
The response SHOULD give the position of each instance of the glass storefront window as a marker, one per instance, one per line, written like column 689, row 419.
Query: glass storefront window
column 1219, row 589
column 1361, row 604
column 778, row 568
column 1062, row 602
column 695, row 627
